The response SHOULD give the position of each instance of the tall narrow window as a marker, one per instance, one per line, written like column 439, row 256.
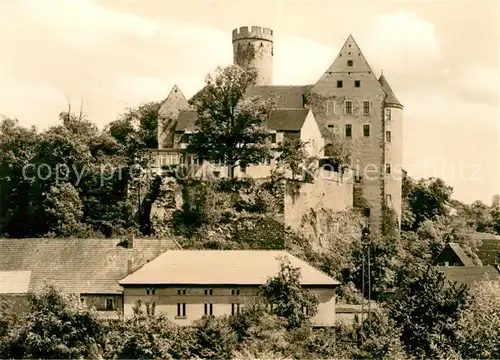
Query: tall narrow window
column 110, row 304
column 348, row 130
column 388, row 168
column 348, row 107
column 339, row 83
column 181, row 310
column 388, row 137
column 388, row 114
column 272, row 138
column 366, row 130
column 330, row 107
column 235, row 292
column 208, row 308
column 235, row 309
column 366, row 107
column 357, row 83
column 209, row 292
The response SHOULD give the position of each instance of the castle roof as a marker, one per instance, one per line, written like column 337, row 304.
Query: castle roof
column 390, row 98
column 222, row 267
column 288, row 96
column 280, row 120
column 92, row 266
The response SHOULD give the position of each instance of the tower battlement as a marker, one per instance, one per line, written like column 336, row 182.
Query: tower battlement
column 255, row 32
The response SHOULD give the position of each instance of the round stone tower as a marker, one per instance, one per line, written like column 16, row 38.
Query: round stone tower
column 253, row 48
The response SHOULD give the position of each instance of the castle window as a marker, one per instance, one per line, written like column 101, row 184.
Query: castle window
column 387, row 114
column 366, row 212
column 366, row 107
column 348, row 107
column 357, row 83
column 348, row 130
column 330, row 107
column 366, row 130
column 331, row 126
column 388, row 168
column 339, row 83
column 388, row 136
column 349, row 62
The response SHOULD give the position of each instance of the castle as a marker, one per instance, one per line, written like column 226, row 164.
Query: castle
column 348, row 101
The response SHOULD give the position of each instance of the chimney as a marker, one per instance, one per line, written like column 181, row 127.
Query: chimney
column 130, row 242
column 129, row 266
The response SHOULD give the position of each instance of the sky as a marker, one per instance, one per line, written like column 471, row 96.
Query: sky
column 440, row 57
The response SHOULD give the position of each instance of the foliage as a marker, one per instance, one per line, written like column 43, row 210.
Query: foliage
column 230, row 128
column 427, row 310
column 287, row 297
column 292, row 156
column 478, row 333
column 53, row 327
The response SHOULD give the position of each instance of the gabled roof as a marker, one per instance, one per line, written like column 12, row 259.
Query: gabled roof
column 280, row 120
column 464, row 258
column 350, row 51
column 221, row 267
column 76, row 265
column 14, row 282
column 390, row 98
column 470, row 275
column 175, row 95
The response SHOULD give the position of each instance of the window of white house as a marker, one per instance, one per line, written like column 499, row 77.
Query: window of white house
column 366, row 130
column 235, row 292
column 208, row 309
column 150, row 291
column 110, row 304
column 181, row 310
column 388, row 137
column 348, row 130
column 209, row 292
column 388, row 168
column 235, row 309
column 387, row 114
column 348, row 107
column 181, row 292
column 330, row 107
column 366, row 107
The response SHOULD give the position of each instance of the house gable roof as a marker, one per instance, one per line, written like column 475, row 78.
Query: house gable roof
column 280, row 120
column 221, row 267
column 459, row 253
column 77, row 265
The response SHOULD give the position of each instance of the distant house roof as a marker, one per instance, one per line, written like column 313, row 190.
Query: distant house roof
column 280, row 120
column 469, row 275
column 458, row 252
column 14, row 282
column 75, row 265
column 217, row 267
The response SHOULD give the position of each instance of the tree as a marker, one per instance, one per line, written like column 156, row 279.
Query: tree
column 288, row 298
column 479, row 325
column 427, row 309
column 230, row 128
column 54, row 326
column 293, row 156
column 426, row 198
